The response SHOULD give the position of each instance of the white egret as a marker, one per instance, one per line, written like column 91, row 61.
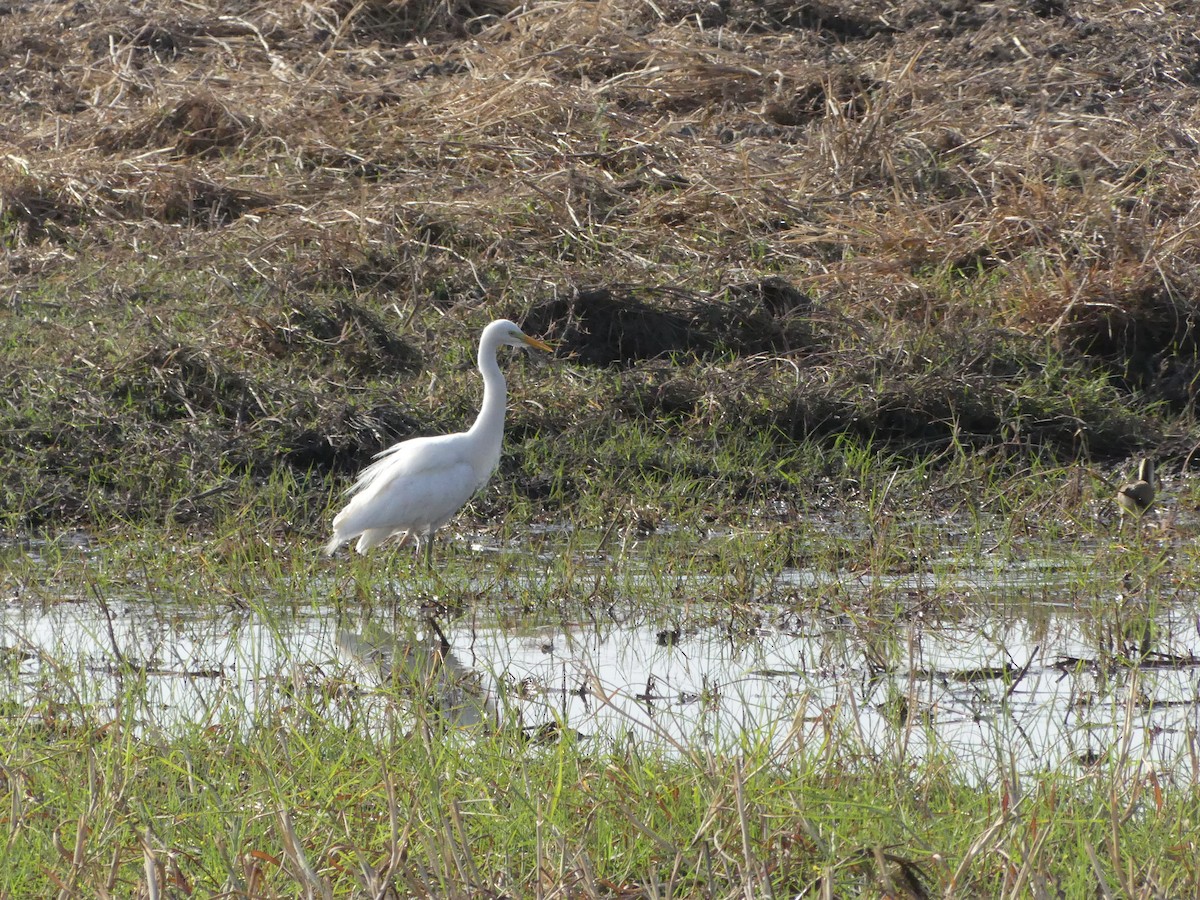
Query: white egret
column 414, row 488
column 1137, row 497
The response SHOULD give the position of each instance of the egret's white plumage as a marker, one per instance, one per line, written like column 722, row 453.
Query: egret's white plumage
column 414, row 488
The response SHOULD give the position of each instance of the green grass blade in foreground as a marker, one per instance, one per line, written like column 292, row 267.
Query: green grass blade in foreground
column 422, row 808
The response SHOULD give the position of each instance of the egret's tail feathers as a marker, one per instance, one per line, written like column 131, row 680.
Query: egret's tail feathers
column 373, row 537
column 367, row 539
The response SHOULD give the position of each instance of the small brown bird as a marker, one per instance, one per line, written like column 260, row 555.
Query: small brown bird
column 1137, row 497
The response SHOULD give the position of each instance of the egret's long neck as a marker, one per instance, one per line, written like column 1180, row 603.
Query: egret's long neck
column 491, row 414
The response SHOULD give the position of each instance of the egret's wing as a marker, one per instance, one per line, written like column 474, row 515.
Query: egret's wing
column 405, row 501
column 411, row 457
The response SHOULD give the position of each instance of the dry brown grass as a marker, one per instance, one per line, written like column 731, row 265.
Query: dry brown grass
column 850, row 145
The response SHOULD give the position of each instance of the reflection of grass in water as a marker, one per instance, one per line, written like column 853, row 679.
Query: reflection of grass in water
column 299, row 803
column 329, row 785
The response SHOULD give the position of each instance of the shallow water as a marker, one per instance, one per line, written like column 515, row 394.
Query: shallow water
column 989, row 686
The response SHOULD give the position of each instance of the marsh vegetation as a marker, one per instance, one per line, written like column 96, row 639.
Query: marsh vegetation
column 801, row 574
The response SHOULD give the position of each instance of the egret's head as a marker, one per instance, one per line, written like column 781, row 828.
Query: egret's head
column 508, row 333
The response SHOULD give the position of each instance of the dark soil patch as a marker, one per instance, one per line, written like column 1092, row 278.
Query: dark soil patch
column 624, row 323
column 346, row 332
column 347, row 438
column 178, row 381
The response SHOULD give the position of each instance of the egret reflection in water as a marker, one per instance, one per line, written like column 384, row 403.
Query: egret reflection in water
column 425, row 665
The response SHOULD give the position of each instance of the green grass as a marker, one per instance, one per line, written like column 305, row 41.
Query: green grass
column 291, row 801
column 328, row 786
column 170, row 388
